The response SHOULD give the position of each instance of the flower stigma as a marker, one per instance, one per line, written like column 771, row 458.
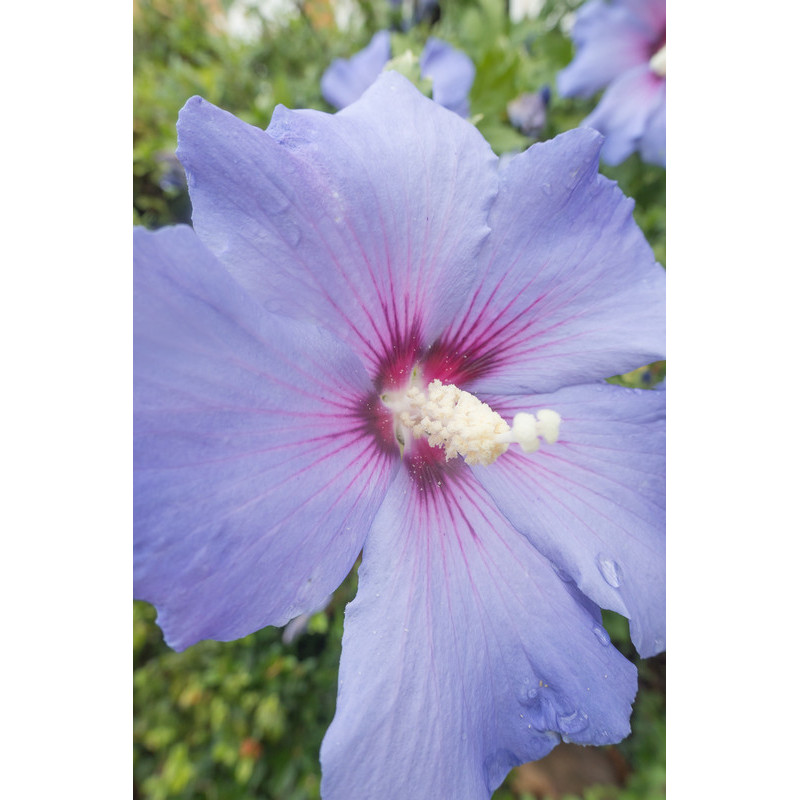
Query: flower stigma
column 658, row 62
column 460, row 423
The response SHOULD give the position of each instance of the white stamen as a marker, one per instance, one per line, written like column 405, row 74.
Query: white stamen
column 527, row 430
column 658, row 62
column 460, row 423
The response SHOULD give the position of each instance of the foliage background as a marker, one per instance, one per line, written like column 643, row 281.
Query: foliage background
column 244, row 720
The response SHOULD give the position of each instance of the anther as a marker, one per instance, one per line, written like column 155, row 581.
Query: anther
column 464, row 426
column 658, row 62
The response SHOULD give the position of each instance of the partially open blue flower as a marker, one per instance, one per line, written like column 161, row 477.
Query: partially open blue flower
column 451, row 71
column 376, row 340
column 622, row 45
column 345, row 80
column 528, row 112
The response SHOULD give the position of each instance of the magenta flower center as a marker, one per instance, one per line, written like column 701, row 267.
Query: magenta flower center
column 456, row 421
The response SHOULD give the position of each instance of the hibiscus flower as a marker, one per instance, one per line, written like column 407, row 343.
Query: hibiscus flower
column 377, row 341
column 621, row 45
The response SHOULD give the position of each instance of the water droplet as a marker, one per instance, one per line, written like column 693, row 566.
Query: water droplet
column 610, row 570
column 573, row 723
column 530, row 697
column 288, row 229
column 292, row 233
column 602, row 635
column 572, row 179
column 547, row 189
column 541, row 712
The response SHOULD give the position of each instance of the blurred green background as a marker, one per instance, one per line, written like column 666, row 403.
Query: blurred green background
column 244, row 720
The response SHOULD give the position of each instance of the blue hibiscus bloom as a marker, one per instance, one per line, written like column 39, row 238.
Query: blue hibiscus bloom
column 451, row 72
column 375, row 340
column 622, row 45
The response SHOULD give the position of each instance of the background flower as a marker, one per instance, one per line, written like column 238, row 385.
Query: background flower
column 528, row 112
column 346, row 80
column 450, row 70
column 621, row 46
column 265, row 458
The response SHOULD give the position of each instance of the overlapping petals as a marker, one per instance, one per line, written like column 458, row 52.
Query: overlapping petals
column 614, row 44
column 635, row 104
column 653, row 142
column 464, row 653
column 651, row 14
column 609, row 40
column 254, row 482
column 368, row 224
column 568, row 290
column 593, row 502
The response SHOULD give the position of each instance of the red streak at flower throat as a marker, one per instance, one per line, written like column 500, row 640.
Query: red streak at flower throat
column 377, row 422
column 430, row 471
column 399, row 358
column 450, row 366
column 426, row 465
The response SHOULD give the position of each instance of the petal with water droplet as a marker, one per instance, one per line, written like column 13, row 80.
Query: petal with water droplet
column 486, row 658
column 593, row 502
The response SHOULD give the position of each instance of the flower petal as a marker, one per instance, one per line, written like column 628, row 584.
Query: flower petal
column 650, row 13
column 593, row 502
column 653, row 144
column 624, row 110
column 256, row 467
column 452, row 73
column 569, row 291
column 463, row 653
column 609, row 40
column 367, row 222
column 346, row 80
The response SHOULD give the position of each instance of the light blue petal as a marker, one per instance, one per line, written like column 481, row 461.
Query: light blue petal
column 568, row 290
column 653, row 144
column 609, row 40
column 452, row 73
column 367, row 222
column 651, row 14
column 623, row 112
column 258, row 458
column 464, row 653
column 346, row 80
column 593, row 502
